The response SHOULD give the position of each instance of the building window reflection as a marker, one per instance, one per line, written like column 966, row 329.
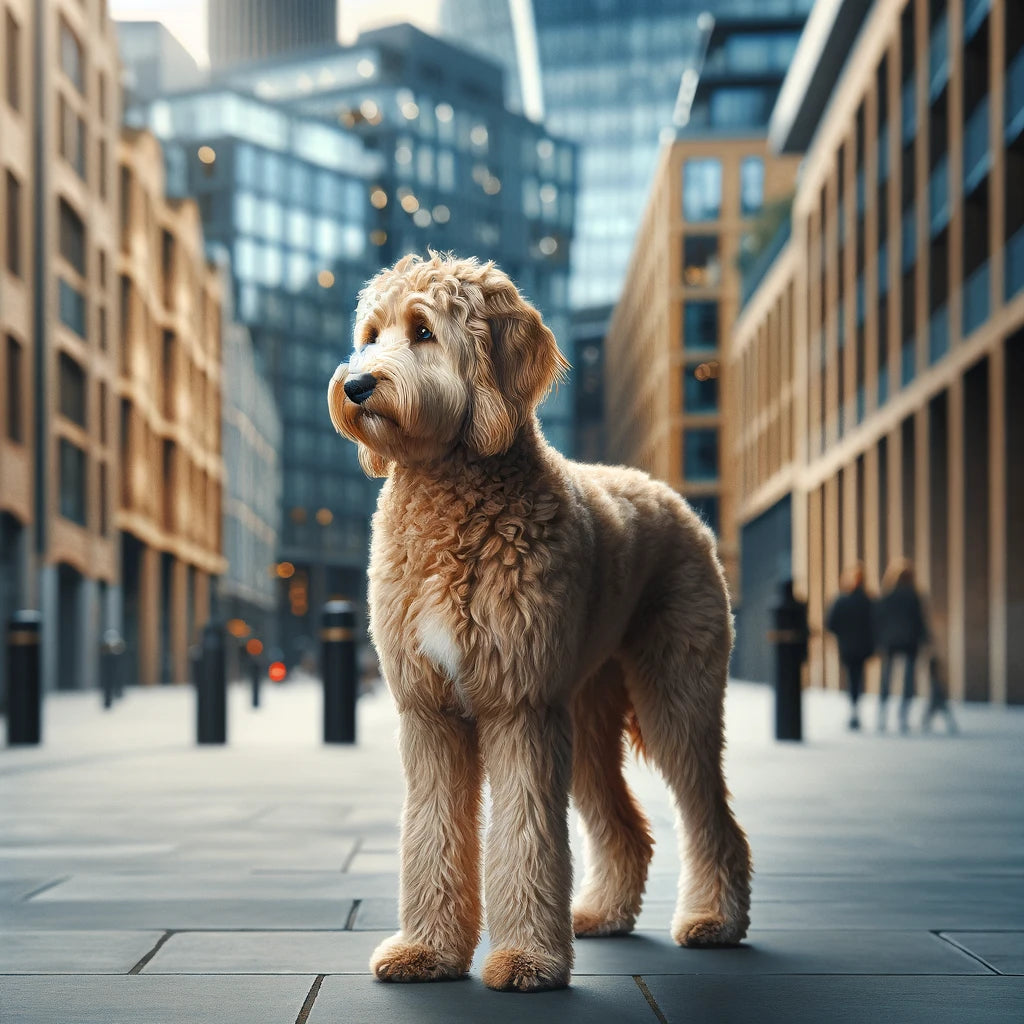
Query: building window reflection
column 700, row 326
column 751, row 186
column 701, row 267
column 700, row 454
column 702, row 190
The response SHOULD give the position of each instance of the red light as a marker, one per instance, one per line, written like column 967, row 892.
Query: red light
column 277, row 671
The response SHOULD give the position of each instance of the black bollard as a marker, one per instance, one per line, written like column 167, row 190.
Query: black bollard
column 790, row 638
column 111, row 658
column 24, row 692
column 211, row 687
column 256, row 674
column 338, row 664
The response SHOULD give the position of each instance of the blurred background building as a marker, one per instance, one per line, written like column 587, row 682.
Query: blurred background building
column 241, row 30
column 880, row 352
column 154, row 62
column 172, row 473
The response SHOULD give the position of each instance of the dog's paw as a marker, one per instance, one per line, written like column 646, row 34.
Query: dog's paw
column 701, row 931
column 594, row 924
column 517, row 970
column 396, row 959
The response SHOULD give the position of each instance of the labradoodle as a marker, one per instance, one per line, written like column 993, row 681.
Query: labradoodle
column 530, row 613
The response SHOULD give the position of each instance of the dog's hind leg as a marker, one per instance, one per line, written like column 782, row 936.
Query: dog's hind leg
column 616, row 833
column 677, row 694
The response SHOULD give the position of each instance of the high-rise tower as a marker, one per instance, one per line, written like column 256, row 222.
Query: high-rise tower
column 241, row 30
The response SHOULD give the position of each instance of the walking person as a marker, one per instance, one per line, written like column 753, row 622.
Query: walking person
column 938, row 700
column 851, row 619
column 901, row 629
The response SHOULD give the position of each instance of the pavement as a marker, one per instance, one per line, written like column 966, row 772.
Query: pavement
column 145, row 879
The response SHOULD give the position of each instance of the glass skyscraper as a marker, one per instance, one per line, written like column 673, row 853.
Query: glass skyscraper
column 286, row 195
column 456, row 170
column 242, row 30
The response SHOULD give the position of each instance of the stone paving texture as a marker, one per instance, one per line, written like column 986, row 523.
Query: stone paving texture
column 144, row 879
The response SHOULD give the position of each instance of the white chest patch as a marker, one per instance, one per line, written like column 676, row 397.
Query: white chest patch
column 437, row 644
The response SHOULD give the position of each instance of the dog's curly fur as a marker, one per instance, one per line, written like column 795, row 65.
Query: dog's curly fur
column 529, row 611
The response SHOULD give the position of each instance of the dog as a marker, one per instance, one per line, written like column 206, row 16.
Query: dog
column 530, row 613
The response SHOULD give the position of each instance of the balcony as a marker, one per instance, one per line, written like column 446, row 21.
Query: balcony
column 975, row 299
column 1015, row 264
column 976, row 148
column 938, row 196
column 975, row 13
column 938, row 334
column 908, row 106
column 754, row 274
column 1015, row 97
column 938, row 57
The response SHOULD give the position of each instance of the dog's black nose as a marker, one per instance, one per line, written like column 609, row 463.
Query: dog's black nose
column 361, row 387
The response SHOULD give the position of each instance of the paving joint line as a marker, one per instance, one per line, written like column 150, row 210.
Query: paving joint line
column 43, row 888
column 350, row 921
column 307, row 1006
column 651, row 1001
column 942, row 937
column 356, row 847
column 144, row 962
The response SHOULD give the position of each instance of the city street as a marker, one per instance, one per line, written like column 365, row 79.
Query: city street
column 143, row 879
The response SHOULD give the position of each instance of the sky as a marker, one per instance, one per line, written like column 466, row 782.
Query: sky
column 187, row 18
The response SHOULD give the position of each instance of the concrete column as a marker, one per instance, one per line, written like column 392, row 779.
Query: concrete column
column 815, row 575
column 49, row 606
column 957, row 650
column 872, row 529
column 894, row 488
column 149, row 616
column 88, row 627
column 113, row 608
column 831, row 574
column 202, row 598
column 179, row 629
column 997, row 508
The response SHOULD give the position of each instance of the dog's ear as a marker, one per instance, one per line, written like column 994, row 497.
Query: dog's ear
column 520, row 364
column 372, row 464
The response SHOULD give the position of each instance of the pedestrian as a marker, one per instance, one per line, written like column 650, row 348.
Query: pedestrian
column 938, row 701
column 851, row 619
column 901, row 630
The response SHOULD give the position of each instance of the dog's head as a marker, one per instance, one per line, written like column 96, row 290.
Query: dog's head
column 447, row 353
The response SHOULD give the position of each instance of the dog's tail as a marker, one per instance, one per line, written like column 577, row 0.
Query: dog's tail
column 636, row 737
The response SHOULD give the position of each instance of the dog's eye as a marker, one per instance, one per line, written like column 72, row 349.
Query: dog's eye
column 424, row 333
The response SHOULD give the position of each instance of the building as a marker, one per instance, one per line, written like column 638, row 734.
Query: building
column 154, row 61
column 880, row 355
column 172, row 472
column 457, row 172
column 610, row 78
column 59, row 122
column 288, row 197
column 252, row 439
column 242, row 30
column 714, row 188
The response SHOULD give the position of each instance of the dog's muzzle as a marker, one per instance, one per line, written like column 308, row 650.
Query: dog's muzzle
column 360, row 387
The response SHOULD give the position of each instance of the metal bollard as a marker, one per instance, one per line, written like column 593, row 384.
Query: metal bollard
column 24, row 693
column 111, row 667
column 790, row 638
column 338, row 664
column 256, row 675
column 211, row 687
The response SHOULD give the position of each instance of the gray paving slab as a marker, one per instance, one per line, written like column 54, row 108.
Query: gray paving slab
column 141, row 999
column 177, row 914
column 12, row 889
column 589, row 1001
column 73, row 952
column 1002, row 951
column 779, row 952
column 838, row 999
column 265, row 952
column 376, row 914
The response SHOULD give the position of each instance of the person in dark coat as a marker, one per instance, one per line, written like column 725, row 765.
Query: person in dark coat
column 901, row 630
column 851, row 618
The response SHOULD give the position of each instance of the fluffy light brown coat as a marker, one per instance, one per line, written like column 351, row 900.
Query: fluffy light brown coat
column 529, row 611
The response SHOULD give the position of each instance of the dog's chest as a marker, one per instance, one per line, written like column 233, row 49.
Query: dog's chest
column 434, row 634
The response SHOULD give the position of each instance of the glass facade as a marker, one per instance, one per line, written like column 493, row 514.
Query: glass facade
column 700, row 455
column 702, row 189
column 700, row 325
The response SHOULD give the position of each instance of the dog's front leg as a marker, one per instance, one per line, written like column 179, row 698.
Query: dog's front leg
column 528, row 866
column 439, row 901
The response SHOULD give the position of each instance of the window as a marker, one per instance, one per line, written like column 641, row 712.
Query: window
column 15, row 392
column 700, row 261
column 700, row 326
column 700, row 454
column 72, row 389
column 13, row 225
column 751, row 186
column 699, row 395
column 706, row 507
column 101, row 413
column 12, row 34
column 72, row 60
column 702, row 190
column 101, row 168
column 102, row 90
column 72, row 482
column 71, row 304
column 741, row 107
column 72, row 237
column 72, row 137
